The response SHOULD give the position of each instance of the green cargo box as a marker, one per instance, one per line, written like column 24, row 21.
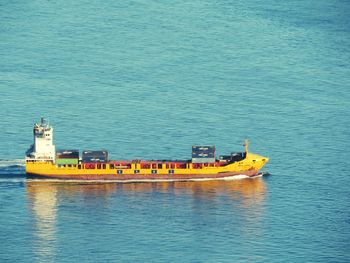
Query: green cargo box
column 67, row 161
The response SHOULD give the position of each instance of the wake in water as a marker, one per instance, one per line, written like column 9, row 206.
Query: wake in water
column 12, row 163
column 229, row 178
column 11, row 169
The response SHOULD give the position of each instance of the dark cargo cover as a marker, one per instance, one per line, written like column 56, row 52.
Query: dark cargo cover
column 95, row 156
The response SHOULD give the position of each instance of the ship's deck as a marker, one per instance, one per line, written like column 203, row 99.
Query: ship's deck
column 151, row 164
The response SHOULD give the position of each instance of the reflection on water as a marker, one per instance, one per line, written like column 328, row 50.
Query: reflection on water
column 249, row 191
column 43, row 204
column 245, row 196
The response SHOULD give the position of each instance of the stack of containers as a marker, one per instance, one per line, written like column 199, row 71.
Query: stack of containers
column 95, row 156
column 203, row 154
column 67, row 157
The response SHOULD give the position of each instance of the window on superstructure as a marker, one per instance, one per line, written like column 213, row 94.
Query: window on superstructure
column 159, row 166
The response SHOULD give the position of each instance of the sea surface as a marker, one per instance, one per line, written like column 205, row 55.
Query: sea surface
column 149, row 79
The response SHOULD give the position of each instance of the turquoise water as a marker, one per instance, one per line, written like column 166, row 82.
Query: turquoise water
column 149, row 79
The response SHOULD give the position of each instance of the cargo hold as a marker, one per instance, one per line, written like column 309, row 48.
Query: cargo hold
column 207, row 152
column 203, row 160
column 95, row 156
column 67, row 154
column 67, row 161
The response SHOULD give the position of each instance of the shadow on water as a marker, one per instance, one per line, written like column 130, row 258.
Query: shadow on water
column 44, row 200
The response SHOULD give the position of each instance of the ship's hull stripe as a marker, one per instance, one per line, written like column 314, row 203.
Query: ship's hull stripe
column 155, row 177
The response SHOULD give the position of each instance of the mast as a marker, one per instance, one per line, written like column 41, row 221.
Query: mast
column 246, row 146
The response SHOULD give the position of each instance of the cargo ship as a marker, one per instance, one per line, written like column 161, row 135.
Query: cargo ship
column 44, row 161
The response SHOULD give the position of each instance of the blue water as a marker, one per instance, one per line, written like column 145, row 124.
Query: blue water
column 149, row 79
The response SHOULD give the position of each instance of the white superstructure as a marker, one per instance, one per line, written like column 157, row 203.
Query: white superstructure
column 43, row 147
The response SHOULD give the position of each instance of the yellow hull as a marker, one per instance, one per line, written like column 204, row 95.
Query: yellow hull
column 249, row 166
